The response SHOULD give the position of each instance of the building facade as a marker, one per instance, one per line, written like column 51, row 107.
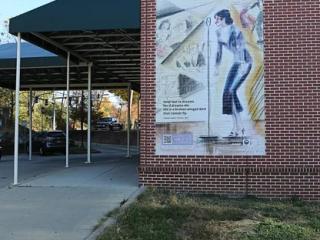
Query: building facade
column 251, row 129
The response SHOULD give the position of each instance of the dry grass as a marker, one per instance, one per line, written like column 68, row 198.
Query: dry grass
column 168, row 216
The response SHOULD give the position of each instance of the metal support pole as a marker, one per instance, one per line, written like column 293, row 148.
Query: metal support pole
column 30, row 123
column 129, row 120
column 67, row 115
column 208, row 23
column 89, row 114
column 16, row 124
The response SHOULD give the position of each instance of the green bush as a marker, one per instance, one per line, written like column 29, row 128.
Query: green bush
column 314, row 223
column 271, row 230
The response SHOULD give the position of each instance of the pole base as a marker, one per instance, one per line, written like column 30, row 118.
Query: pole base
column 238, row 140
column 208, row 138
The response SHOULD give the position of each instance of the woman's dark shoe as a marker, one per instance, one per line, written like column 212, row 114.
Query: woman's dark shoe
column 233, row 134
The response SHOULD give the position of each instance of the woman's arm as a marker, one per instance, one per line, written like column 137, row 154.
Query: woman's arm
column 218, row 58
column 219, row 53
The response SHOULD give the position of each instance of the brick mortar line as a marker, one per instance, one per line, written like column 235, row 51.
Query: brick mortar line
column 201, row 170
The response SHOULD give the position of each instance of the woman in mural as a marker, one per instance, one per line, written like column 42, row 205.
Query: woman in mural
column 163, row 36
column 231, row 38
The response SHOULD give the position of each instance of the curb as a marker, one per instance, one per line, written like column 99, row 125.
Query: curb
column 111, row 221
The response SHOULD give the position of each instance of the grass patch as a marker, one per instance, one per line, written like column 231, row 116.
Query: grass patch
column 114, row 214
column 158, row 215
column 279, row 231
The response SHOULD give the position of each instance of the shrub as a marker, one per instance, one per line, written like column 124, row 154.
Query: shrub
column 271, row 230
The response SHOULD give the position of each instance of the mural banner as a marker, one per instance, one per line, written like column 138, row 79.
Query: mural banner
column 210, row 77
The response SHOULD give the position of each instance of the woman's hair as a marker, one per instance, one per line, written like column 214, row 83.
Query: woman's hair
column 225, row 14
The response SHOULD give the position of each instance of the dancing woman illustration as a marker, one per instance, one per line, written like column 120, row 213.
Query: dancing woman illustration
column 231, row 38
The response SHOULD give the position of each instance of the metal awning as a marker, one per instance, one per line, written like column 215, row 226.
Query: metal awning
column 102, row 40
column 104, row 33
column 75, row 15
column 8, row 51
column 36, row 64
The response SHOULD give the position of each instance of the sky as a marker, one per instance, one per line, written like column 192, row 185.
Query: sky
column 12, row 8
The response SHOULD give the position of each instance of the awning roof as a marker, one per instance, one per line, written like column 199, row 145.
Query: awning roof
column 106, row 33
column 31, row 55
column 9, row 51
column 79, row 15
column 34, row 62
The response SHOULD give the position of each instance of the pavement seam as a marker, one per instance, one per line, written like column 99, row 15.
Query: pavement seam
column 111, row 220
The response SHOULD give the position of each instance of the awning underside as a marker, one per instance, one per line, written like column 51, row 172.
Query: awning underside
column 115, row 55
column 104, row 33
column 55, row 78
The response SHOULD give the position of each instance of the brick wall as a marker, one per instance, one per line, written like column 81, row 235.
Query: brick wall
column 291, row 166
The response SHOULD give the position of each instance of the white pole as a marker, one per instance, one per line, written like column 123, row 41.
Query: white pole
column 129, row 120
column 208, row 23
column 54, row 113
column 30, row 123
column 89, row 115
column 67, row 115
column 16, row 124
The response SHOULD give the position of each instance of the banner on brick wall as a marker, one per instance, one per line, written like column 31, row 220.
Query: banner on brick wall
column 210, row 77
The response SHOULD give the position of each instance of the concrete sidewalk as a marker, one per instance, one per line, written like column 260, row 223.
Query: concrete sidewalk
column 65, row 204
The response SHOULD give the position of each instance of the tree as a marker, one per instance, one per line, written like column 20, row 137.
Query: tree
column 7, row 97
column 104, row 104
column 5, row 36
column 123, row 95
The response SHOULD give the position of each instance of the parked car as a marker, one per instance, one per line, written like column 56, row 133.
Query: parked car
column 48, row 142
column 110, row 123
